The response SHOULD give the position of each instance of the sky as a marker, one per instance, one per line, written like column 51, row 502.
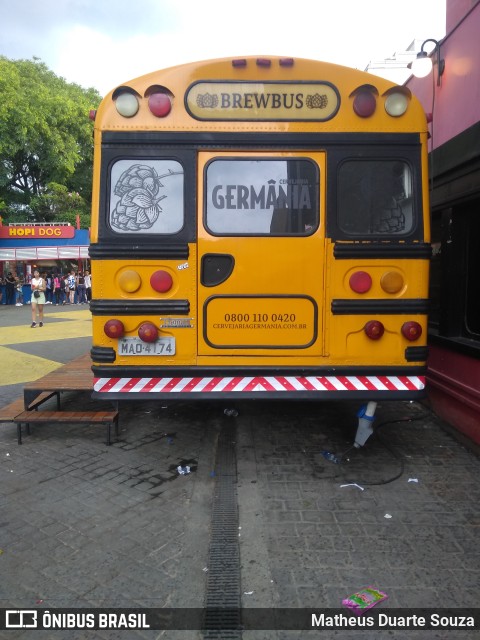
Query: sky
column 104, row 43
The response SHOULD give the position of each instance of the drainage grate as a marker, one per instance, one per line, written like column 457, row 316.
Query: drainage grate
column 222, row 618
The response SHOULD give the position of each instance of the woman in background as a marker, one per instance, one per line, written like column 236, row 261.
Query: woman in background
column 38, row 298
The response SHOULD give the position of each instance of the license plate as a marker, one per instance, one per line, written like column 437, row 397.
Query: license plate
column 136, row 347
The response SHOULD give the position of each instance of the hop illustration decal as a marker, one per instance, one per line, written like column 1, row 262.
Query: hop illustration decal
column 207, row 101
column 317, row 101
column 138, row 208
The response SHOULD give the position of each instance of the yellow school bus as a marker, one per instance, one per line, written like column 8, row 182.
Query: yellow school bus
column 260, row 228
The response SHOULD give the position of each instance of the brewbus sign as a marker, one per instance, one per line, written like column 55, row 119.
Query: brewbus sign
column 306, row 101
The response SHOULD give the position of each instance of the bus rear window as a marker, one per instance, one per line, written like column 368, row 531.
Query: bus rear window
column 146, row 196
column 262, row 197
column 375, row 197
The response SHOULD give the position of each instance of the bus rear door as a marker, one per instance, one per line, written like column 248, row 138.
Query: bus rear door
column 261, row 245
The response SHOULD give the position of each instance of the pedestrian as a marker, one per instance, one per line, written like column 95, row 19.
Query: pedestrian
column 57, row 289
column 10, row 288
column 88, row 285
column 49, row 289
column 66, row 289
column 82, row 296
column 19, row 287
column 38, row 298
column 72, row 283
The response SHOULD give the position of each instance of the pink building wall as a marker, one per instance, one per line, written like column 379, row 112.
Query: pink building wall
column 453, row 379
column 455, row 104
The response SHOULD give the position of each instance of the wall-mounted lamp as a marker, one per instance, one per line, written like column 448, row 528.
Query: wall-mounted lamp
column 423, row 63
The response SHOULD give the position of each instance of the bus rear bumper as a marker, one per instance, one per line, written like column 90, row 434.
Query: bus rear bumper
column 391, row 385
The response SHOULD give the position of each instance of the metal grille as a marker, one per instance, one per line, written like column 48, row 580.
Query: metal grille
column 222, row 618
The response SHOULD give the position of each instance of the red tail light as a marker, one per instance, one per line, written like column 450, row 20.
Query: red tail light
column 374, row 329
column 364, row 104
column 360, row 282
column 411, row 330
column 114, row 329
column 148, row 332
column 161, row 281
column 159, row 104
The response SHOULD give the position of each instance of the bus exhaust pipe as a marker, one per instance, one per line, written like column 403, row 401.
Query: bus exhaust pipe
column 366, row 416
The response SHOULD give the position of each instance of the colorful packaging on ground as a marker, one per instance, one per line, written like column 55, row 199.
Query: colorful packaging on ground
column 364, row 600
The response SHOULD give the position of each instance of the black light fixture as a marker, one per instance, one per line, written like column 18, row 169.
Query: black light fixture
column 423, row 63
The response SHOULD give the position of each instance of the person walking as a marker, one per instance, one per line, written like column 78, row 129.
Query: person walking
column 72, row 283
column 49, row 289
column 82, row 296
column 38, row 298
column 57, row 289
column 10, row 288
column 19, row 288
column 88, row 285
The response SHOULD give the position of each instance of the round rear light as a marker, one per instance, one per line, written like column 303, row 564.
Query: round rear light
column 161, row 281
column 127, row 104
column 114, row 329
column 374, row 329
column 360, row 282
column 129, row 281
column 396, row 104
column 148, row 332
column 364, row 104
column 159, row 104
column 392, row 282
column 411, row 330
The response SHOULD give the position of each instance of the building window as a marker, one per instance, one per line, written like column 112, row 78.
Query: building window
column 454, row 281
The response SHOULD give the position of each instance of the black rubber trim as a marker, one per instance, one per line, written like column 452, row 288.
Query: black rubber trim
column 356, row 250
column 103, row 354
column 108, row 250
column 139, row 307
column 376, row 307
column 131, row 371
column 255, row 139
column 416, row 354
column 266, row 395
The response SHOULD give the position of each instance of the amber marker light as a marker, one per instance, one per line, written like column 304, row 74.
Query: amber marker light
column 148, row 332
column 114, row 329
column 392, row 282
column 374, row 329
column 129, row 281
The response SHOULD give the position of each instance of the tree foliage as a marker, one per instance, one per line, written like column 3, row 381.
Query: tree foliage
column 57, row 203
column 46, row 138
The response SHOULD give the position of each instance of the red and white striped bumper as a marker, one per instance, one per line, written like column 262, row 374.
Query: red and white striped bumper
column 254, row 384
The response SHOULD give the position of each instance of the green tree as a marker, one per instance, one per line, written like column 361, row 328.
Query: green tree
column 57, row 204
column 46, row 135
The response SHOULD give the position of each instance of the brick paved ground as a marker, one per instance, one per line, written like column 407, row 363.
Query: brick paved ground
column 325, row 541
column 85, row 525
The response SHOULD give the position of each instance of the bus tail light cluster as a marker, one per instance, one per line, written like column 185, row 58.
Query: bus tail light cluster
column 130, row 281
column 147, row 331
column 365, row 98
column 411, row 330
column 127, row 101
column 390, row 282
